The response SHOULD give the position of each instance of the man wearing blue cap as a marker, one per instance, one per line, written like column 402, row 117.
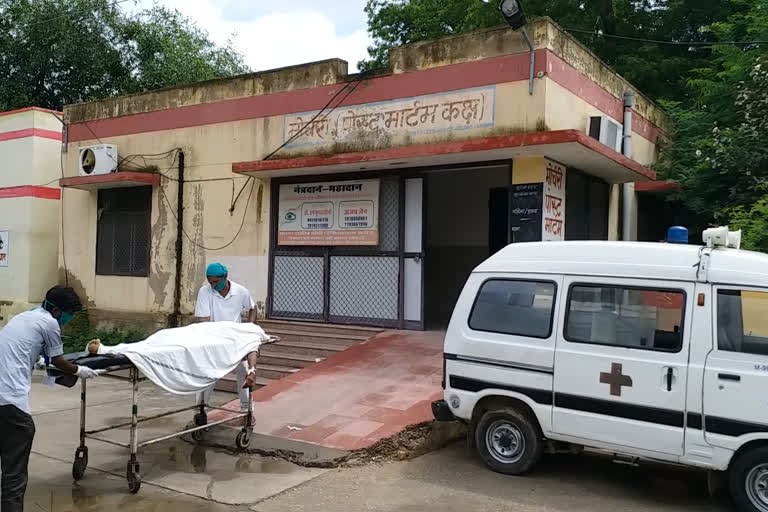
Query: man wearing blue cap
column 222, row 300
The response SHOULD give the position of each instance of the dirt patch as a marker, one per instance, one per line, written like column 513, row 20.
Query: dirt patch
column 410, row 443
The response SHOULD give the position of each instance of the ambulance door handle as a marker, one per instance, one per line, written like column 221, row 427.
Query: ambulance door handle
column 670, row 376
column 729, row 376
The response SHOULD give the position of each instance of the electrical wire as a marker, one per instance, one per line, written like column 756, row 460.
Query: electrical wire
column 661, row 41
column 298, row 134
column 200, row 246
column 49, row 20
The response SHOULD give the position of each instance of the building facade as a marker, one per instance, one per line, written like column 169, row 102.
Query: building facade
column 360, row 199
column 30, row 149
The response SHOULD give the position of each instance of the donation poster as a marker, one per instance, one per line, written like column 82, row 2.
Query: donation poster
column 4, row 248
column 342, row 213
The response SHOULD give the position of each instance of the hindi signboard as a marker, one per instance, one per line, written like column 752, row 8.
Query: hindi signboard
column 5, row 245
column 457, row 110
column 331, row 213
column 553, row 222
column 526, row 212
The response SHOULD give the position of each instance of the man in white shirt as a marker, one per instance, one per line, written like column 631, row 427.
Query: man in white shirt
column 222, row 300
column 28, row 337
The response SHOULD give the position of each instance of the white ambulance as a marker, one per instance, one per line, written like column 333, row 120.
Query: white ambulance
column 641, row 350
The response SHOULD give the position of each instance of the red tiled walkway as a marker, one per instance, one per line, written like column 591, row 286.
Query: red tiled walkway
column 369, row 392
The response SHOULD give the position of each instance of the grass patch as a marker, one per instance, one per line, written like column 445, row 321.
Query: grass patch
column 79, row 332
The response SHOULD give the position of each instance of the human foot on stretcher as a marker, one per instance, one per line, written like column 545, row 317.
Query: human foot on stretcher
column 94, row 347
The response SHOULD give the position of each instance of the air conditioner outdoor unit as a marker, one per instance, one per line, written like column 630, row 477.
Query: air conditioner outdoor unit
column 607, row 131
column 95, row 160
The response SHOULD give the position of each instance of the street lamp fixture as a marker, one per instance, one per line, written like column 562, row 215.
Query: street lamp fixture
column 512, row 10
column 513, row 13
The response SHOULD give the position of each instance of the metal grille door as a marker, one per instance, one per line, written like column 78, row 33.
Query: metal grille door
column 298, row 287
column 354, row 285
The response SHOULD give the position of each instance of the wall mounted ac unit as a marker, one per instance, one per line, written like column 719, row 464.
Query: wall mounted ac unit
column 95, row 160
column 607, row 131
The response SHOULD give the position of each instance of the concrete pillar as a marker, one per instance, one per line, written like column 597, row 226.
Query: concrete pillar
column 614, row 209
column 629, row 209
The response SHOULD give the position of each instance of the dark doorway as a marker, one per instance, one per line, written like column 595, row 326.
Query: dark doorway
column 467, row 215
column 586, row 207
column 498, row 214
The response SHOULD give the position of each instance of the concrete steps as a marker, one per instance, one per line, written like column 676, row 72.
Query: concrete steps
column 301, row 345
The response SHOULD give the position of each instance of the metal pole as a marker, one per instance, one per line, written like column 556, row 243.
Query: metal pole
column 135, row 414
column 628, row 189
column 179, row 243
column 533, row 59
column 82, row 412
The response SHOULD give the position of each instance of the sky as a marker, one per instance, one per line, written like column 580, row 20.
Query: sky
column 278, row 33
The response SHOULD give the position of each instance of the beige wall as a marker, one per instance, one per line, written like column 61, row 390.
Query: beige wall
column 567, row 111
column 529, row 170
column 209, row 153
column 32, row 223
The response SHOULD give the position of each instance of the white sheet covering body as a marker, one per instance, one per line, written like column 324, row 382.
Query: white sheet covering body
column 188, row 360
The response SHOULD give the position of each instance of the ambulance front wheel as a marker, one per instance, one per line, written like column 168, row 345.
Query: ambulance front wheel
column 509, row 441
column 748, row 479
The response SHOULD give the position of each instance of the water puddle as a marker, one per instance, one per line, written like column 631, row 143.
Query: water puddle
column 180, row 457
column 82, row 499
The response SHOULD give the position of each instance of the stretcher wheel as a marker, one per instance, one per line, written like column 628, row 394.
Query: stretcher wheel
column 80, row 464
column 198, row 435
column 134, row 477
column 78, row 469
column 243, row 439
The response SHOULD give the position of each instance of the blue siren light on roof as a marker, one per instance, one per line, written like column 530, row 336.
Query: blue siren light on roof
column 677, row 235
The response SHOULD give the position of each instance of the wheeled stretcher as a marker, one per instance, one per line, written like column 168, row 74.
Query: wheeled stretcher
column 115, row 366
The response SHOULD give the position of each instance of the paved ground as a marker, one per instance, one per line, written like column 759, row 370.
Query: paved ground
column 366, row 393
column 453, row 480
column 172, row 465
column 181, row 477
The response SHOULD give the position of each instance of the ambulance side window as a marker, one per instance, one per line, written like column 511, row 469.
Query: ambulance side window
column 641, row 318
column 742, row 321
column 514, row 307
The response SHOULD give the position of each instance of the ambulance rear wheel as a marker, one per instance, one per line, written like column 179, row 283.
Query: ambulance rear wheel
column 748, row 479
column 509, row 441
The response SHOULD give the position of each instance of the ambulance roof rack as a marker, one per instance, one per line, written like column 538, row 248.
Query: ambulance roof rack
column 715, row 238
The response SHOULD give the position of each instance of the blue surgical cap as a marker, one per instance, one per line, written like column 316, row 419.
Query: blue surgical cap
column 216, row 270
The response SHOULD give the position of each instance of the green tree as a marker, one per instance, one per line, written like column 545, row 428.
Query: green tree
column 55, row 52
column 658, row 70
column 719, row 154
column 164, row 48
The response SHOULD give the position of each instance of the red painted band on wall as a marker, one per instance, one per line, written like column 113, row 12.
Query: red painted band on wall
column 497, row 70
column 582, row 86
column 30, row 191
column 30, row 132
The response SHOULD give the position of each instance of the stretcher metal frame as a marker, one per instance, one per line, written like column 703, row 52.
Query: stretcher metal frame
column 133, row 468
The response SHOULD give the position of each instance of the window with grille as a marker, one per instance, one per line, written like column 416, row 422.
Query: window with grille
column 123, row 231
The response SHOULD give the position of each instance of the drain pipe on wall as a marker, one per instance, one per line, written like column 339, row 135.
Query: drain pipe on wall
column 628, row 214
column 179, row 243
column 532, row 51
